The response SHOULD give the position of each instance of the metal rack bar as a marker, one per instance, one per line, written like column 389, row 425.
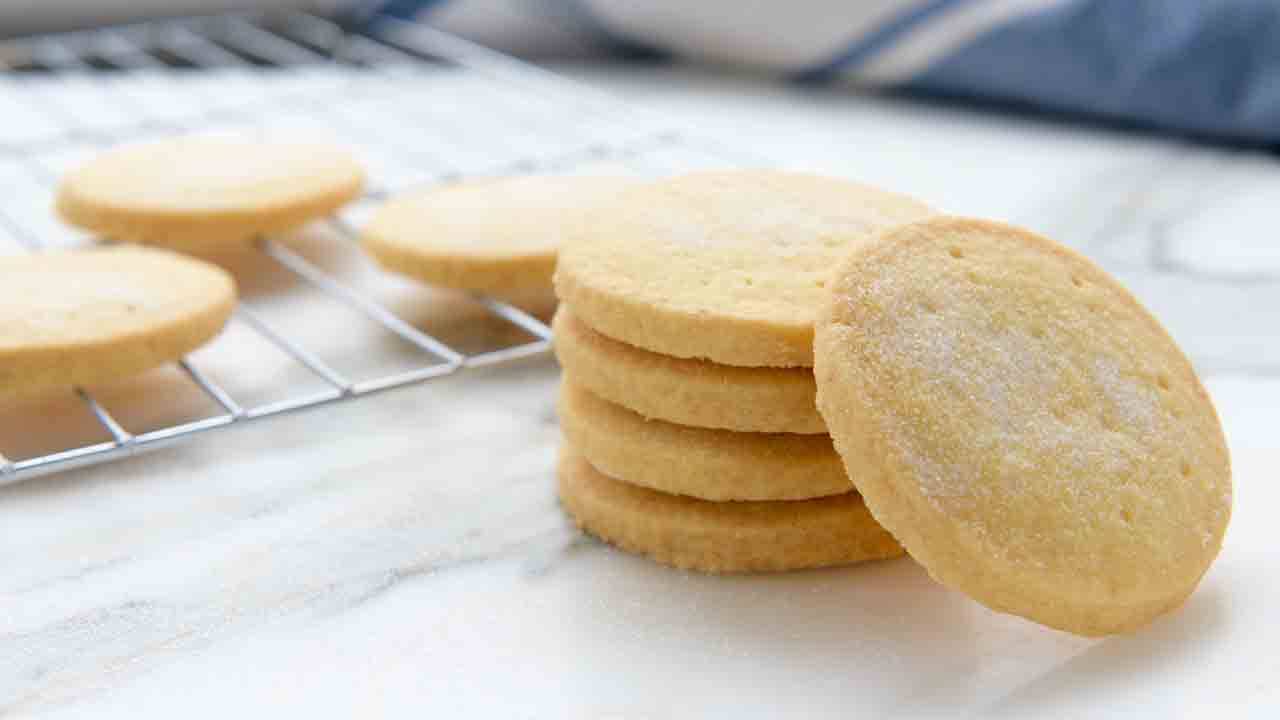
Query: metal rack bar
column 305, row 270
column 100, row 452
column 118, row 433
column 176, row 431
column 213, row 390
column 495, row 357
column 294, row 404
column 407, row 377
column 65, row 458
column 515, row 316
column 294, row 350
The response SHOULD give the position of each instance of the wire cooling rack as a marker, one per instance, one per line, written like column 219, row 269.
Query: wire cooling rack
column 419, row 105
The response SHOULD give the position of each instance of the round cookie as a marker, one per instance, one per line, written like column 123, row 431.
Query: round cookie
column 699, row 462
column 734, row 537
column 498, row 237
column 1026, row 429
column 87, row 316
column 727, row 266
column 687, row 391
column 198, row 192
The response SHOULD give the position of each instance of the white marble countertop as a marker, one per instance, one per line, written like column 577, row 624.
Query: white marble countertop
column 404, row 555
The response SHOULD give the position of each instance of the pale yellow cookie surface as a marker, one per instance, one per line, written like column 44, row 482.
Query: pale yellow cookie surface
column 196, row 193
column 726, row 266
column 82, row 317
column 1026, row 429
column 729, row 537
column 687, row 391
column 498, row 237
column 699, row 462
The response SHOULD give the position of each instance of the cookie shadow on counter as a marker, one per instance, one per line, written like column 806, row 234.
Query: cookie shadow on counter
column 1113, row 665
column 893, row 635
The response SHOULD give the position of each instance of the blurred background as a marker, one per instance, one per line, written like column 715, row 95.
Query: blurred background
column 1206, row 68
column 25, row 18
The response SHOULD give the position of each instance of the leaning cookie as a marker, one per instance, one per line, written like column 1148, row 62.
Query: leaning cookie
column 199, row 193
column 733, row 537
column 499, row 237
column 1022, row 425
column 73, row 318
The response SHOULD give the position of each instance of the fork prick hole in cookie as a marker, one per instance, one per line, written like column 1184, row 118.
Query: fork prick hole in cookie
column 956, row 253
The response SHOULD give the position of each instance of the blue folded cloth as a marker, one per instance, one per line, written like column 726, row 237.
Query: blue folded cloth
column 1204, row 67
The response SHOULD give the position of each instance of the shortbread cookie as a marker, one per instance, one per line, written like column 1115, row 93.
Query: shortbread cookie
column 82, row 317
column 196, row 193
column 699, row 462
column 728, row 537
column 727, row 266
column 687, row 391
column 1026, row 429
column 498, row 237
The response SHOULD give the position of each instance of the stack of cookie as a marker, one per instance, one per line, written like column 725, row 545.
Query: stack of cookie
column 686, row 337
column 1010, row 413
